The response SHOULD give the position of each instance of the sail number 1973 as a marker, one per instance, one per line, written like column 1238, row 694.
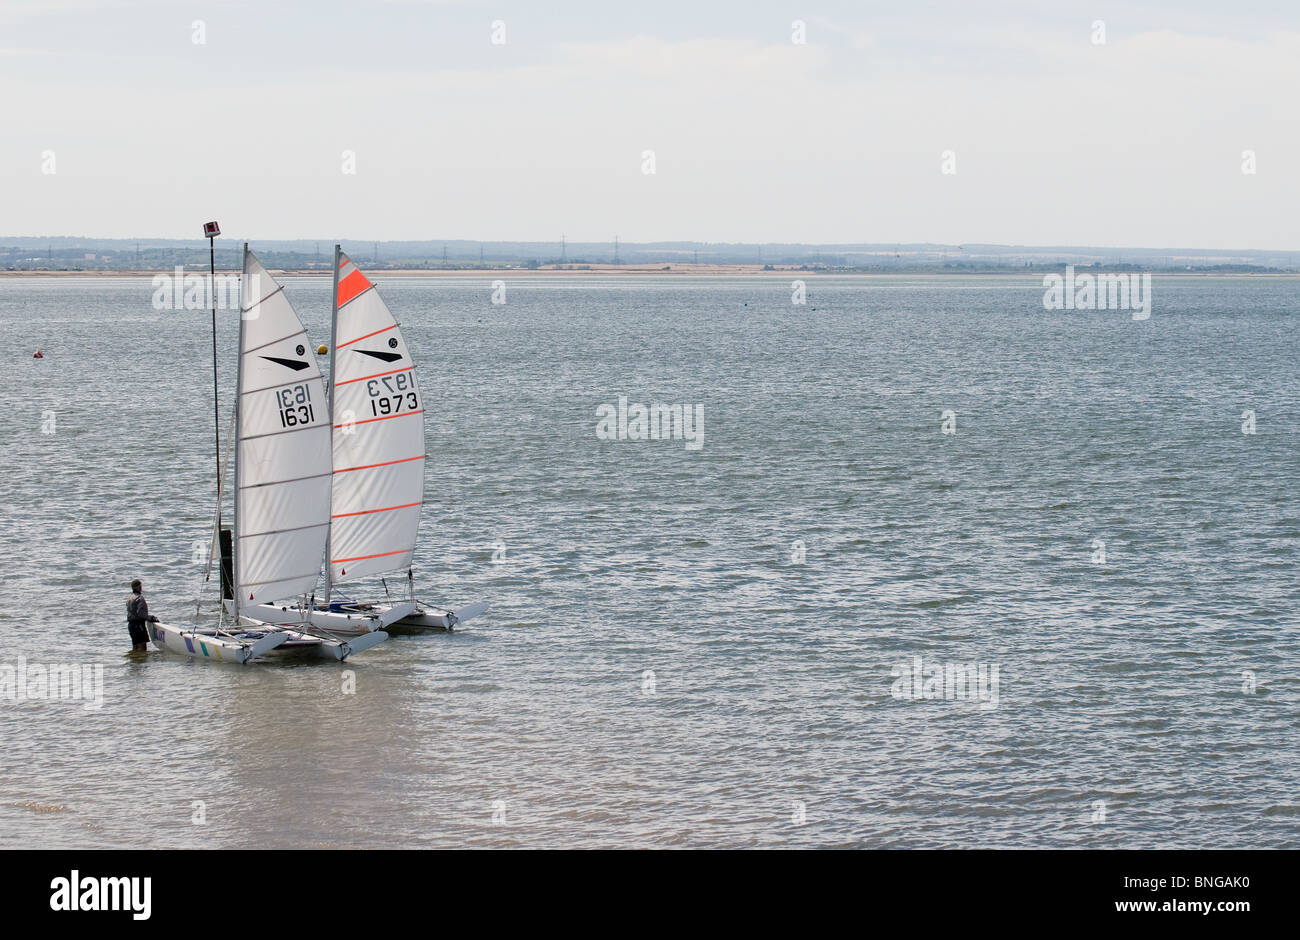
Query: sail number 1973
column 392, row 394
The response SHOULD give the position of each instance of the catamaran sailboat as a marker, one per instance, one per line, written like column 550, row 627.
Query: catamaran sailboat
column 282, row 482
column 377, row 486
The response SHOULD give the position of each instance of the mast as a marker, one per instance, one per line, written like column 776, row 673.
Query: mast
column 334, row 328
column 212, row 230
column 237, row 589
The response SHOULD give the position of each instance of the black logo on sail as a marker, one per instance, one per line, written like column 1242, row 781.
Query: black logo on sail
column 385, row 356
column 294, row 364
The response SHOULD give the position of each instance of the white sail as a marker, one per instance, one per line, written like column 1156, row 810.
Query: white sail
column 283, row 468
column 378, row 439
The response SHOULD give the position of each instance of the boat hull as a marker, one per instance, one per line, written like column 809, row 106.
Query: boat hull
column 348, row 620
column 358, row 619
column 204, row 643
column 398, row 618
column 425, row 618
column 200, row 644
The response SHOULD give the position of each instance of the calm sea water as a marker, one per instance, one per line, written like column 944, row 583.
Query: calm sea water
column 827, row 533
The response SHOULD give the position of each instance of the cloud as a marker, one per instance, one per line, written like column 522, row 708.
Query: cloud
column 1056, row 141
column 857, row 38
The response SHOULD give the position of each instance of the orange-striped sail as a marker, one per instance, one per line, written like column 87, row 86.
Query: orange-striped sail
column 378, row 434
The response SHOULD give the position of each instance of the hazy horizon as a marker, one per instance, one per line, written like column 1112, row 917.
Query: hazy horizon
column 81, row 254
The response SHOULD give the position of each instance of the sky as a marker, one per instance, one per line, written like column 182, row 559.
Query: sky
column 120, row 122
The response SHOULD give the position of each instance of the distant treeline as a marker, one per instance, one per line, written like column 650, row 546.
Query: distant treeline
column 67, row 253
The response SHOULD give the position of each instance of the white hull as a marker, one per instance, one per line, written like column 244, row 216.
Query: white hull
column 428, row 618
column 407, row 618
column 255, row 640
column 358, row 619
column 402, row 617
column 350, row 620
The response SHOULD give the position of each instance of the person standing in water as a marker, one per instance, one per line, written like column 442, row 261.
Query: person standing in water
column 137, row 615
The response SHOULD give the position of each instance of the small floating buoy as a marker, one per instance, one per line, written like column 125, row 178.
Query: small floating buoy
column 322, row 349
column 38, row 355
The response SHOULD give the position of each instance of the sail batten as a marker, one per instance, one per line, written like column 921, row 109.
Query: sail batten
column 284, row 460
column 377, row 485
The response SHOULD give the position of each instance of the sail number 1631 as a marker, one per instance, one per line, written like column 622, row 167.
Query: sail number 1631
column 295, row 406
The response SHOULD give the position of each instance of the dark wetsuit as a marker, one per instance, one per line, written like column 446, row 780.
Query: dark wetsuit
column 137, row 616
